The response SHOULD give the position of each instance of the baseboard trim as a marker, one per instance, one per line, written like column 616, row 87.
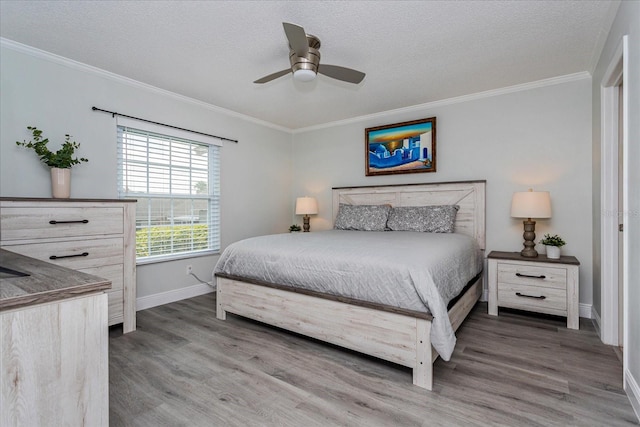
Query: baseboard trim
column 633, row 391
column 162, row 298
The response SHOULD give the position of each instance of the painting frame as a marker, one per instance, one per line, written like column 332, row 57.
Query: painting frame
column 400, row 148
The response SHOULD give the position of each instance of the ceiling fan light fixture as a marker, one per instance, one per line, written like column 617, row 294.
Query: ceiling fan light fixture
column 304, row 57
column 304, row 75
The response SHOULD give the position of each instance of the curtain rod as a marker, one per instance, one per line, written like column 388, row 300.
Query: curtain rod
column 113, row 114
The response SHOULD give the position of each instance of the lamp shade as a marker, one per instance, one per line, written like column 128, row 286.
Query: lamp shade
column 306, row 206
column 531, row 204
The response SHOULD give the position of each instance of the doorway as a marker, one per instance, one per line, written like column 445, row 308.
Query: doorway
column 614, row 180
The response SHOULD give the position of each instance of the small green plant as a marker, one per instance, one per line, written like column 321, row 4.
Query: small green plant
column 554, row 240
column 294, row 227
column 63, row 158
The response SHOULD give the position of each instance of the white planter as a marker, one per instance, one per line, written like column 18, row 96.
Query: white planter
column 553, row 252
column 60, row 183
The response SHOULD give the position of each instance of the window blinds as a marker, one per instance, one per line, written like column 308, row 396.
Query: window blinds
column 177, row 184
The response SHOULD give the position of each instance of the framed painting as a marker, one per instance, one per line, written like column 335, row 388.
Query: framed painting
column 407, row 147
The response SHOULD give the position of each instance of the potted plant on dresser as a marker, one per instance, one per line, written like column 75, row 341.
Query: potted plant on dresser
column 552, row 245
column 60, row 161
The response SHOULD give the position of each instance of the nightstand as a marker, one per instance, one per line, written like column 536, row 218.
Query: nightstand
column 541, row 284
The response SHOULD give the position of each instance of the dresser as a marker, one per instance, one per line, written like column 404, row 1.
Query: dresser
column 94, row 236
column 540, row 284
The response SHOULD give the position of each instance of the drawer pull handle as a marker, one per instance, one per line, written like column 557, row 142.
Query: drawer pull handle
column 81, row 221
column 532, row 277
column 530, row 296
column 69, row 256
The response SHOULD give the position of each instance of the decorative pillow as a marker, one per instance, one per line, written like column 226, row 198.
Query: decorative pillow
column 430, row 219
column 362, row 217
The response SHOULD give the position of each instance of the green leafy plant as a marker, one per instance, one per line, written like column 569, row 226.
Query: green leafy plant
column 554, row 240
column 294, row 227
column 63, row 158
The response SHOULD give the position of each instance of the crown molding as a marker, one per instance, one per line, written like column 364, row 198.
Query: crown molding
column 28, row 50
column 456, row 100
column 79, row 66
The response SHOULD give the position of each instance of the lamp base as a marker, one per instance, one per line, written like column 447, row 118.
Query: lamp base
column 305, row 223
column 529, row 237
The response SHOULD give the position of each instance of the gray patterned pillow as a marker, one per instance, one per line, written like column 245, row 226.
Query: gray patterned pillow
column 362, row 217
column 431, row 219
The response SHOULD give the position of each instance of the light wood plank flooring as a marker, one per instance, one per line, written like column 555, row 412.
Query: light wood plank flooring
column 183, row 367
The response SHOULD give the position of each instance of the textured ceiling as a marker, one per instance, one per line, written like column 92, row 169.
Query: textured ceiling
column 413, row 52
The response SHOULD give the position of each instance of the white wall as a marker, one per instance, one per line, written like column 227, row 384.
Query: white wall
column 538, row 137
column 627, row 22
column 56, row 95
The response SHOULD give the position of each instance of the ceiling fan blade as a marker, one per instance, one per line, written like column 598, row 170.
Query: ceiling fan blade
column 297, row 38
column 273, row 76
column 341, row 73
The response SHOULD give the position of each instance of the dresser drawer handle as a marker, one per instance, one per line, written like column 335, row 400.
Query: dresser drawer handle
column 69, row 256
column 81, row 221
column 530, row 296
column 532, row 277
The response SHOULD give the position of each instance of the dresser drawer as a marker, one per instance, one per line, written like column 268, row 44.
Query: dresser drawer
column 115, row 274
column 22, row 223
column 532, row 275
column 116, row 306
column 531, row 298
column 70, row 254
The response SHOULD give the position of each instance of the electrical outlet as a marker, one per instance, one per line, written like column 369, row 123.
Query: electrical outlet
column 189, row 269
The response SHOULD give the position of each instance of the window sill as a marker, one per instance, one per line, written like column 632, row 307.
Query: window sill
column 167, row 258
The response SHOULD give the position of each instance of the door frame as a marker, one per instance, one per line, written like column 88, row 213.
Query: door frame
column 610, row 214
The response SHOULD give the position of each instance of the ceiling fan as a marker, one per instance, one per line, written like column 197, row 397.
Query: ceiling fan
column 304, row 56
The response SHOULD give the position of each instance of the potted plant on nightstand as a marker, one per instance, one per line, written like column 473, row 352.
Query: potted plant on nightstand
column 552, row 245
column 294, row 228
column 60, row 162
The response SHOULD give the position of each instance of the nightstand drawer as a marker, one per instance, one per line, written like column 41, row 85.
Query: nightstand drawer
column 531, row 275
column 539, row 299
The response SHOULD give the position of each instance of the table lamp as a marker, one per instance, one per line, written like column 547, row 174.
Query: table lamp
column 306, row 206
column 530, row 204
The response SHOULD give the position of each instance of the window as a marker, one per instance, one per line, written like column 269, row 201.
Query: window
column 177, row 184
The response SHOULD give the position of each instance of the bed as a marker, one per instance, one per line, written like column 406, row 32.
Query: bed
column 399, row 333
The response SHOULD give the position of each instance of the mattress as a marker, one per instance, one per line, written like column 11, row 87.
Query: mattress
column 410, row 270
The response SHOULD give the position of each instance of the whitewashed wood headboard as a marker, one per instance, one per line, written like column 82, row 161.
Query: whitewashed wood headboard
column 469, row 195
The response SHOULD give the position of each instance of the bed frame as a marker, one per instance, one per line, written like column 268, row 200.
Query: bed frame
column 399, row 336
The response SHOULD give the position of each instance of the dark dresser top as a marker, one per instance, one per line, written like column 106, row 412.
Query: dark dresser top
column 515, row 256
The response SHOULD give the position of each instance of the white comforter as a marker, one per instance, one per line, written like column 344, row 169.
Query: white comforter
column 410, row 270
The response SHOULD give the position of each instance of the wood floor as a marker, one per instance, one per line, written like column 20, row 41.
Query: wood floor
column 183, row 367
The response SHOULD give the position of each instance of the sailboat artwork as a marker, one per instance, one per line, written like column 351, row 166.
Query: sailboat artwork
column 407, row 147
